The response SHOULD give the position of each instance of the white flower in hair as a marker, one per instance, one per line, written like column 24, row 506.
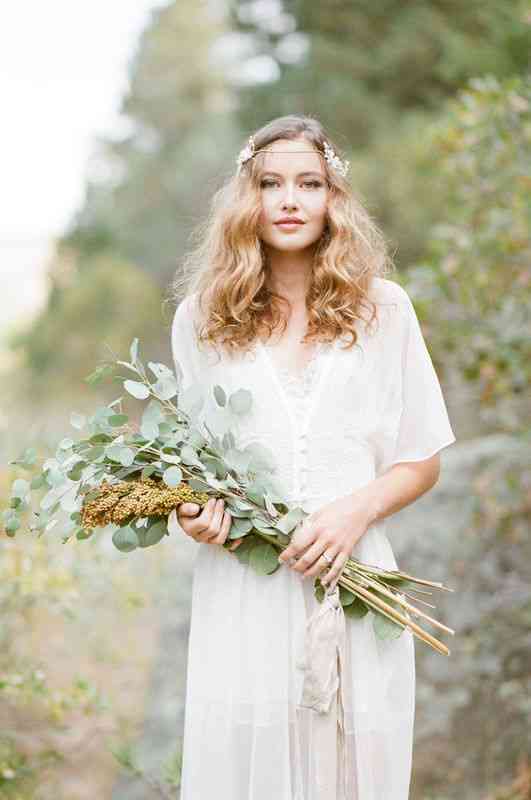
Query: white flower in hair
column 341, row 166
column 246, row 153
column 249, row 151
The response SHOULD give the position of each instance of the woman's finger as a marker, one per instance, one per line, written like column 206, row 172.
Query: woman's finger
column 303, row 537
column 214, row 524
column 336, row 568
column 224, row 530
column 236, row 543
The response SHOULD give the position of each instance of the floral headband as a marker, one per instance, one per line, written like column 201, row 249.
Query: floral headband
column 342, row 166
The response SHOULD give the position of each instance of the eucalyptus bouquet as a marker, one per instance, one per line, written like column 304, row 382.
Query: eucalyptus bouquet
column 130, row 480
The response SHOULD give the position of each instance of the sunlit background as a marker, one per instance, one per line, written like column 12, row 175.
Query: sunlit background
column 119, row 121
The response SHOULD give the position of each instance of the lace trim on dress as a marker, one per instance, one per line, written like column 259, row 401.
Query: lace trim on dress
column 300, row 384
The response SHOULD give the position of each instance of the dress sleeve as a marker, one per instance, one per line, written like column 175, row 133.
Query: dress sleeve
column 183, row 343
column 424, row 426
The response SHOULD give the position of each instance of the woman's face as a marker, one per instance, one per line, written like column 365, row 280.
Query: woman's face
column 292, row 184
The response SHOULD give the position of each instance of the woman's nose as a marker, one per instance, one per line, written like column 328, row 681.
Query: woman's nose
column 289, row 196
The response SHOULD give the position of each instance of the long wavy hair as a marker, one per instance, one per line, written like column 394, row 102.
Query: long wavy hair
column 228, row 267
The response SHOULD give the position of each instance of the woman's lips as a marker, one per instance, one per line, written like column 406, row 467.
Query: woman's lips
column 289, row 225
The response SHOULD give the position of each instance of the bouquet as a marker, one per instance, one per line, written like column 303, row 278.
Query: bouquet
column 129, row 480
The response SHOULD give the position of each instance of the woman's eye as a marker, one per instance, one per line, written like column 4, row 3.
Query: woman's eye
column 265, row 183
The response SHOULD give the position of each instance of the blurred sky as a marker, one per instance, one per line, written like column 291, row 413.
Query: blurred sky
column 63, row 71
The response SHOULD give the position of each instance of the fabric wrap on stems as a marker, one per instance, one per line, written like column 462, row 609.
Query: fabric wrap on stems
column 324, row 663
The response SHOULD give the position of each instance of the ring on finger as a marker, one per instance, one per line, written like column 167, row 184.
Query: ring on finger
column 339, row 560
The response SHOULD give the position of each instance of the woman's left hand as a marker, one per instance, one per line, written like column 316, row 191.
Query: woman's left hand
column 334, row 529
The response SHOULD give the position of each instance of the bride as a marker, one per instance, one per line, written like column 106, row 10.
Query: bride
column 286, row 295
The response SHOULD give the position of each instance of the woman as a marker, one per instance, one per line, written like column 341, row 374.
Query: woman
column 346, row 397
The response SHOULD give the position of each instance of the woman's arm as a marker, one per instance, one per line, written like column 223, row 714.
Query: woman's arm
column 339, row 525
column 401, row 485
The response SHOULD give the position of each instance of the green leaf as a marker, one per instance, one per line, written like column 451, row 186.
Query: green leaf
column 166, row 388
column 191, row 400
column 136, row 389
column 147, row 537
column 256, row 497
column 77, row 420
column 239, row 526
column 289, row 521
column 172, row 476
column 243, row 551
column 240, row 401
column 99, row 374
column 20, row 488
column 263, row 558
column 125, row 539
column 28, row 458
column 12, row 524
column 149, row 430
column 357, row 609
column 120, row 454
column 37, row 481
column 76, row 473
column 219, row 394
column 147, row 471
column 133, row 350
column 384, row 628
column 189, row 456
column 117, row 419
column 346, row 597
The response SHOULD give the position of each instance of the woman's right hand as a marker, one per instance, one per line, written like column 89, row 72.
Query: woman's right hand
column 212, row 525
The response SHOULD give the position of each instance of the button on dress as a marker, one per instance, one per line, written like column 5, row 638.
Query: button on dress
column 342, row 421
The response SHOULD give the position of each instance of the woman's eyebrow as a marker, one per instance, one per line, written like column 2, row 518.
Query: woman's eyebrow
column 299, row 175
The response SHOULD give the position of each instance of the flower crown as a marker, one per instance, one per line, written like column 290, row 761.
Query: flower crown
column 342, row 166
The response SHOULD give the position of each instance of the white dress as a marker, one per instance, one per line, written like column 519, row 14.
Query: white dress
column 344, row 421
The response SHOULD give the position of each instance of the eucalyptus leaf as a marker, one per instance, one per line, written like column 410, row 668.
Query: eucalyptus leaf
column 384, row 628
column 189, row 456
column 160, row 371
column 243, row 551
column 149, row 430
column 172, row 476
column 133, row 350
column 125, row 539
column 117, row 419
column 357, row 609
column 166, row 388
column 263, row 558
column 239, row 526
column 19, row 488
column 12, row 524
column 219, row 394
column 289, row 521
column 54, row 477
column 346, row 597
column 240, row 402
column 147, row 537
column 170, row 458
column 191, row 400
column 136, row 389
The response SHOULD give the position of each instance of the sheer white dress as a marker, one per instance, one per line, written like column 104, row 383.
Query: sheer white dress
column 348, row 417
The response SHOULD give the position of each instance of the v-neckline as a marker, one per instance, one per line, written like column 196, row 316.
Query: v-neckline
column 316, row 391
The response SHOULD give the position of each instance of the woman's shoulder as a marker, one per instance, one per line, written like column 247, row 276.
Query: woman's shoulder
column 386, row 292
column 186, row 312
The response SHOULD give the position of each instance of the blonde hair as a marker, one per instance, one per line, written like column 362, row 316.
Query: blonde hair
column 227, row 269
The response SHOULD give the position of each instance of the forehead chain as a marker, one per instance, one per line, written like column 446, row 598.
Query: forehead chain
column 342, row 166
